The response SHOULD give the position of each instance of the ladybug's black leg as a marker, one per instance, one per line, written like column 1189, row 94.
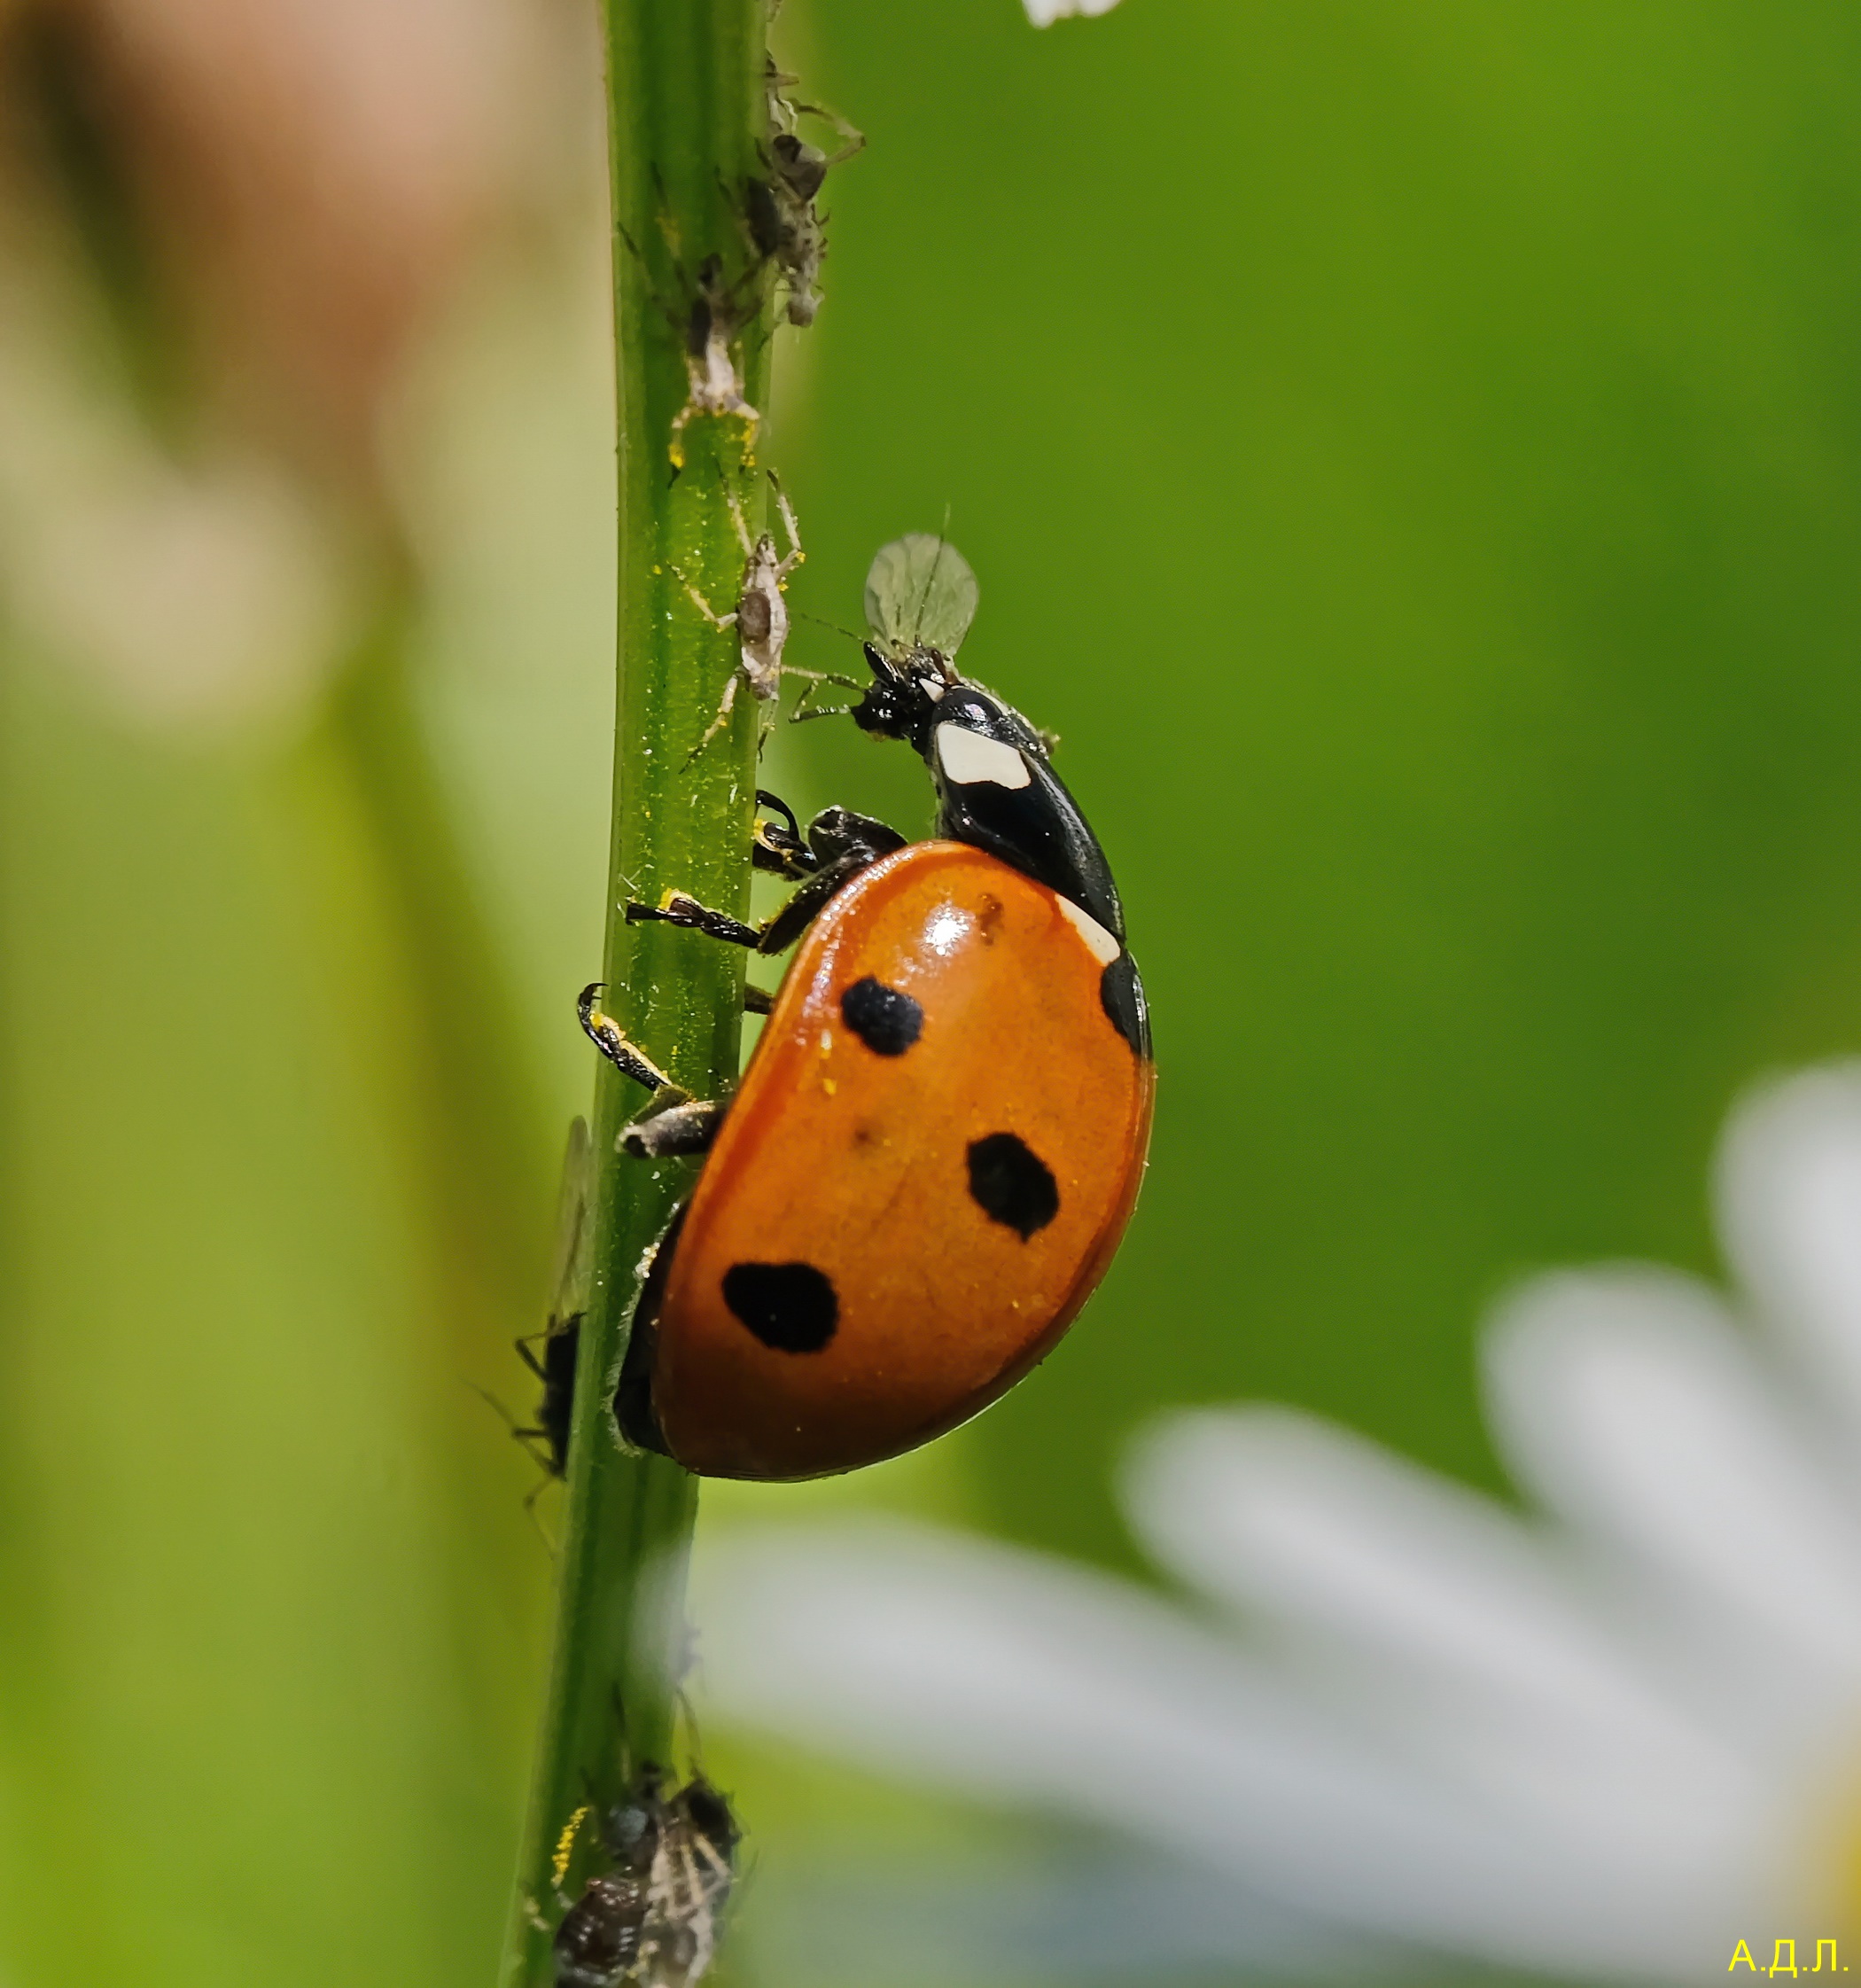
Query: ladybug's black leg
column 676, row 1122
column 838, row 831
column 604, row 1033
column 805, row 905
column 843, row 845
column 680, row 907
column 757, row 1001
column 840, row 844
column 777, row 847
column 678, row 1128
column 775, row 935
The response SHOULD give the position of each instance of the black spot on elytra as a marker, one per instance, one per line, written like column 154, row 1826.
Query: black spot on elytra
column 790, row 1307
column 885, row 1021
column 1011, row 1185
column 1122, row 995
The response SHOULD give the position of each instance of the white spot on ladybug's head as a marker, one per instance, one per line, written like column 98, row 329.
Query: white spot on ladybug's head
column 1099, row 942
column 970, row 759
column 932, row 687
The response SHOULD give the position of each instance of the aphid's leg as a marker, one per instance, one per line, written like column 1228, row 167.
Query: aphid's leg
column 706, row 399
column 663, row 215
column 704, row 606
column 527, row 1437
column 855, row 137
column 813, row 676
column 736, row 517
column 675, row 441
column 658, row 301
column 795, row 554
column 723, row 709
column 535, row 1518
column 530, row 1439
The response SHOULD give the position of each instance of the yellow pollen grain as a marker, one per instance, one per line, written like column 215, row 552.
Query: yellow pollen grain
column 566, row 1842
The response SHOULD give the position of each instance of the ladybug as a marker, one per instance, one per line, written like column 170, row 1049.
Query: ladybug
column 939, row 1138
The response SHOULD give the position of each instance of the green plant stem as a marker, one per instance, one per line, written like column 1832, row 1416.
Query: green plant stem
column 687, row 112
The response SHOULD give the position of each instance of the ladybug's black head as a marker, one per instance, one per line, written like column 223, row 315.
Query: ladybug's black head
column 919, row 691
column 904, row 694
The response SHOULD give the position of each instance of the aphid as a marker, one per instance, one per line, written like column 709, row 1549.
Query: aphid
column 694, row 1866
column 939, row 1138
column 785, row 222
column 707, row 321
column 761, row 616
column 570, row 1279
column 711, row 328
column 921, row 598
column 779, row 207
column 597, row 1939
column 654, row 1918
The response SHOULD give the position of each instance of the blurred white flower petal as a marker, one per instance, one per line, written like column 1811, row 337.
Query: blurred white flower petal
column 1608, row 1744
column 1269, row 1509
column 1627, row 1399
column 1112, row 1913
column 1005, row 1673
column 1790, row 1213
column 1458, row 1625
column 1044, row 13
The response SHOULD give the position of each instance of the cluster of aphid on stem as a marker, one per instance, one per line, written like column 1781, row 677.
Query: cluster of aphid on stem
column 784, row 223
column 784, row 230
column 654, row 1917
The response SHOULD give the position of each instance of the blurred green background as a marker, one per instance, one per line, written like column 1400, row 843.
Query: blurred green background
column 1409, row 453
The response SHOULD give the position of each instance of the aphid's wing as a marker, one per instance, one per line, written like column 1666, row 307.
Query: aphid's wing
column 572, row 1273
column 920, row 594
column 680, row 1937
column 694, row 1932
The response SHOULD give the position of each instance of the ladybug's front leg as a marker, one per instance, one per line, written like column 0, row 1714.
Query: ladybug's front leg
column 839, row 845
column 676, row 1122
